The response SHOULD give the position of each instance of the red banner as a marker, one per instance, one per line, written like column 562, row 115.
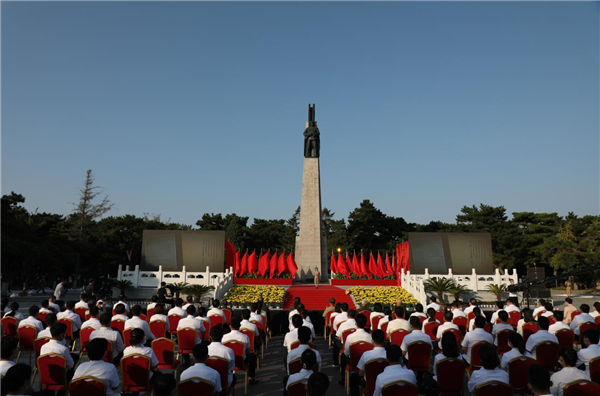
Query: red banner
column 229, row 255
column 252, row 263
column 273, row 265
column 291, row 265
column 332, row 265
column 341, row 266
column 281, row 266
column 363, row 266
column 263, row 264
column 244, row 266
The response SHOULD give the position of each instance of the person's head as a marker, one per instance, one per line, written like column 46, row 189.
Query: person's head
column 64, row 281
column 419, row 307
column 122, row 297
column 511, row 281
column 17, row 379
column 52, row 298
column 351, row 314
column 509, row 301
column 202, row 311
column 200, row 353
column 387, row 311
column 433, row 299
column 472, row 302
column 415, row 323
column 136, row 310
column 154, row 299
column 304, row 334
column 477, row 311
column 431, row 314
column 8, row 348
column 216, row 303
column 489, row 357
column 45, row 304
column 179, row 302
column 308, row 359
column 448, row 316
column 499, row 305
column 332, row 301
column 137, row 336
column 317, row 384
column 96, row 348
column 541, row 302
column 34, row 310
column 338, row 308
column 189, row 299
column 558, row 315
column 236, row 323
column 455, row 305
column 119, row 309
column 590, row 337
column 479, row 322
column 449, row 345
column 567, row 357
column 361, row 321
column 378, row 337
column 164, row 385
column 543, row 322
column 159, row 309
column 597, row 306
column 584, row 308
column 393, row 354
column 377, row 307
column 50, row 319
column 345, row 307
column 399, row 311
column 253, row 307
column 428, row 387
column 304, row 313
column 297, row 321
column 191, row 310
column 503, row 315
column 71, row 305
column 568, row 301
column 246, row 314
column 527, row 315
column 538, row 380
column 83, row 297
column 104, row 320
column 58, row 331
column 364, row 302
column 94, row 311
column 216, row 333
column 516, row 341
column 548, row 306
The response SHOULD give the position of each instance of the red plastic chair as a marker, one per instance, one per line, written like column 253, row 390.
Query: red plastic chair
column 513, row 318
column 431, row 330
column 403, row 388
column 517, row 373
column 221, row 365
column 297, row 388
column 37, row 348
column 346, row 333
column 419, row 354
column 439, row 316
column 450, row 376
column 250, row 334
column 227, row 313
column 84, row 338
column 529, row 329
column 536, row 316
column 118, row 325
column 457, row 335
column 158, row 328
column 327, row 324
column 215, row 320
column 186, row 340
column 546, row 353
column 108, row 356
column 173, row 322
column 294, row 366
column 503, row 341
column 53, row 372
column 461, row 322
column 357, row 349
column 573, row 314
column 581, row 388
column 566, row 338
column 143, row 317
column 149, row 313
column 164, row 349
column 70, row 335
column 397, row 336
column 195, row 386
column 373, row 368
column 81, row 312
column 585, row 326
column 475, row 361
column 126, row 336
column 384, row 329
column 239, row 350
column 136, row 373
column 595, row 369
column 87, row 386
column 422, row 319
column 493, row 388
column 9, row 326
column 367, row 314
column 375, row 322
column 42, row 318
column 597, row 323
column 27, row 335
column 206, row 334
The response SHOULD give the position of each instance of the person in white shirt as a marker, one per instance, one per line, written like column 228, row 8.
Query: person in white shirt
column 415, row 335
column 596, row 312
column 378, row 352
column 512, row 294
column 216, row 348
column 568, row 361
column 152, row 304
column 304, row 338
column 434, row 304
column 201, row 370
column 308, row 359
column 377, row 313
column 342, row 317
column 52, row 305
column 93, row 321
column 159, row 316
column 138, row 323
column 189, row 300
column 517, row 345
column 430, row 319
column 510, row 306
column 58, row 331
column 122, row 302
column 591, row 350
column 387, row 313
column 559, row 324
column 120, row 313
column 502, row 326
column 475, row 336
column 456, row 311
column 45, row 309
column 177, row 310
column 300, row 307
column 360, row 335
column 477, row 312
column 538, row 380
column 418, row 311
column 489, row 370
column 399, row 323
column 306, row 322
column 295, row 310
column 70, row 314
column 395, row 371
column 215, row 310
column 61, row 291
column 499, row 307
column 540, row 308
column 583, row 317
column 14, row 311
column 347, row 325
column 8, row 353
column 137, row 341
column 110, row 335
column 449, row 350
column 190, row 322
column 50, row 320
column 549, row 310
column 98, row 368
column 526, row 317
column 82, row 303
column 32, row 319
column 447, row 325
column 541, row 335
column 254, row 315
column 472, row 304
column 291, row 336
column 17, row 380
column 249, row 358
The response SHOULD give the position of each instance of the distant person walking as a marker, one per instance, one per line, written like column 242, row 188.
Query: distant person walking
column 569, row 287
column 60, row 290
column 317, row 274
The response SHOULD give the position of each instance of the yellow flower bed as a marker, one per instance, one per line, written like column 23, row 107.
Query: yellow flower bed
column 386, row 295
column 247, row 294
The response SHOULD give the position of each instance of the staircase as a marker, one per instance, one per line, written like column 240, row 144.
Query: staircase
column 316, row 299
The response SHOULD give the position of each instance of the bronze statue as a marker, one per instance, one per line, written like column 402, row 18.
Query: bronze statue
column 312, row 143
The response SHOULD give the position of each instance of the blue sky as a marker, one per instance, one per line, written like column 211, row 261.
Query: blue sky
column 185, row 108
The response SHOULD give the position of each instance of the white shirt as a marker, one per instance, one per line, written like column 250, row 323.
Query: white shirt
column 124, row 304
column 191, row 322
column 161, row 318
column 347, row 325
column 201, row 370
column 54, row 346
column 297, row 353
column 510, row 355
column 235, row 335
column 391, row 374
column 585, row 355
column 151, row 306
column 138, row 323
column 398, row 324
column 45, row 310
column 177, row 311
column 511, row 308
column 46, row 334
column 443, row 327
column 217, row 311
column 426, row 322
column 560, row 325
column 375, row 353
column 185, row 306
column 357, row 336
column 537, row 311
column 536, row 338
column 33, row 322
column 563, row 377
column 376, row 315
column 59, row 292
column 68, row 314
column 220, row 350
column 473, row 337
column 548, row 314
column 290, row 337
column 82, row 304
column 495, row 316
column 300, row 376
column 256, row 317
column 142, row 350
column 469, row 309
column 498, row 328
column 112, row 336
column 246, row 324
column 4, row 366
column 457, row 313
column 594, row 314
column 579, row 319
column 418, row 315
column 433, row 305
column 415, row 335
column 101, row 370
column 122, row 317
column 310, row 326
column 54, row 306
column 339, row 318
column 483, row 375
column 91, row 322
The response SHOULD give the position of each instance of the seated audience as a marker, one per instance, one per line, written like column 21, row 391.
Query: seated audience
column 215, row 310
column 569, row 311
column 93, row 321
column 475, row 336
column 541, row 335
column 8, row 353
column 291, row 336
column 189, row 300
column 32, row 319
column 399, row 323
column 590, row 350
column 490, row 370
column 559, row 324
column 201, row 370
column 501, row 326
column 456, row 311
column 119, row 313
column 249, row 358
column 449, row 350
column 378, row 352
column 58, row 331
column 472, row 305
column 137, row 339
column 396, row 369
column 304, row 338
column 159, row 316
column 583, row 317
column 447, row 325
column 216, row 348
column 567, row 358
column 499, row 308
column 177, row 309
column 387, row 317
column 82, row 303
column 122, row 302
column 526, row 317
column 377, row 313
column 110, row 335
column 418, row 311
column 538, row 380
column 477, row 312
column 415, row 335
column 596, row 312
column 430, row 318
column 17, row 380
column 317, row 384
column 98, row 368
column 434, row 304
column 517, row 345
column 308, row 359
column 138, row 323
column 191, row 322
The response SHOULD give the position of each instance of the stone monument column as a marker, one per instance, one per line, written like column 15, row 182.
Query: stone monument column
column 311, row 245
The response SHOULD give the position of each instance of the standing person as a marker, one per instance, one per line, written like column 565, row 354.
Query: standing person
column 317, row 274
column 569, row 285
column 61, row 291
column 90, row 289
column 569, row 310
column 512, row 293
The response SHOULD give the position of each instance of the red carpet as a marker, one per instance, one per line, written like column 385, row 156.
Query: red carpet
column 316, row 298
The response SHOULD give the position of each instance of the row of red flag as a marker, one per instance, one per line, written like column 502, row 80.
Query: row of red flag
column 346, row 267
column 251, row 264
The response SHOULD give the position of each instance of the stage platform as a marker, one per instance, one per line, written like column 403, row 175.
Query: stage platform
column 316, row 298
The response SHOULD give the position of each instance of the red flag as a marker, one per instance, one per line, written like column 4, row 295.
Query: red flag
column 263, row 264
column 373, row 266
column 244, row 266
column 252, row 263
column 333, row 267
column 381, row 266
column 229, row 255
column 273, row 265
column 291, row 265
column 363, row 266
column 237, row 264
column 349, row 263
column 388, row 265
column 341, row 266
column 281, row 266
column 356, row 266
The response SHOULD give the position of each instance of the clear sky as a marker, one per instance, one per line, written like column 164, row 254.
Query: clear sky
column 185, row 108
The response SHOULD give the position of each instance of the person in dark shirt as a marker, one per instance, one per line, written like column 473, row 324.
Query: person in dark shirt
column 162, row 293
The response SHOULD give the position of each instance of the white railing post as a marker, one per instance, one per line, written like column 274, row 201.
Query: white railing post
column 137, row 276
column 120, row 273
column 497, row 278
column 474, row 285
column 160, row 275
column 184, row 273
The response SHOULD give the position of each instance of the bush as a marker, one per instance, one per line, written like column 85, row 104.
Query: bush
column 386, row 295
column 248, row 294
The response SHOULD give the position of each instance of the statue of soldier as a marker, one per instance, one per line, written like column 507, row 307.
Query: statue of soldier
column 312, row 144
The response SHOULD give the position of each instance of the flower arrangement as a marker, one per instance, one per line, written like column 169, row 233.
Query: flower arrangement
column 386, row 295
column 285, row 275
column 248, row 294
column 354, row 276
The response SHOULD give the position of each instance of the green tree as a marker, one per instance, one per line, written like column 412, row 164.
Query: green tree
column 211, row 222
column 439, row 286
column 366, row 227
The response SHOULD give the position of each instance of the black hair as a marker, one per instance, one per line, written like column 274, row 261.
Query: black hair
column 433, row 299
column 543, row 322
column 50, row 319
column 361, row 321
column 9, row 344
column 558, row 316
column 517, row 341
column 387, row 311
column 216, row 303
column 202, row 311
column 431, row 314
column 297, row 321
column 377, row 307
column 159, row 309
column 304, row 313
column 378, row 337
column 542, row 302
column 246, row 313
column 415, row 322
column 122, row 297
column 14, row 307
column 503, row 315
column 585, row 308
column 539, row 379
column 592, row 335
column 351, row 314
column 253, row 307
column 419, row 307
column 119, row 309
column 83, row 296
column 94, row 311
column 164, row 385
column 71, row 304
column 317, row 384
column 331, row 300
column 428, row 387
column 345, row 307
column 16, row 377
column 480, row 322
column 200, row 352
column 569, row 355
column 308, row 359
column 473, row 301
column 44, row 304
column 216, row 333
column 136, row 310
column 154, row 299
column 105, row 319
column 34, row 310
column 304, row 334
column 338, row 308
column 393, row 353
column 500, row 304
column 136, row 336
column 236, row 323
column 549, row 307
column 449, row 346
column 476, row 311
column 527, row 315
column 448, row 316
column 191, row 309
column 96, row 348
column 399, row 311
column 569, row 300
column 488, row 356
column 190, row 299
column 57, row 329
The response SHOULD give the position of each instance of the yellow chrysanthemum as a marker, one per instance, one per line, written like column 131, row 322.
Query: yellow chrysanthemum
column 386, row 295
column 247, row 294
